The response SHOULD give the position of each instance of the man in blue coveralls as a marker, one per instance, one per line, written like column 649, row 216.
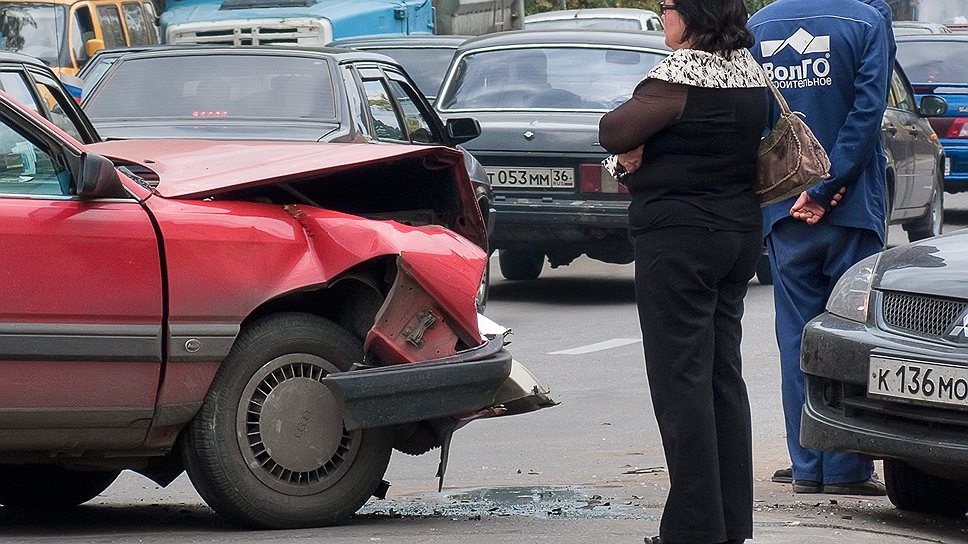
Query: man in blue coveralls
column 832, row 60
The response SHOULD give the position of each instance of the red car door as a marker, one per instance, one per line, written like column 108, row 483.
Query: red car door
column 80, row 303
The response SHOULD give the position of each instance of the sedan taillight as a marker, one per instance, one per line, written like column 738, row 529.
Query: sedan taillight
column 950, row 127
column 595, row 179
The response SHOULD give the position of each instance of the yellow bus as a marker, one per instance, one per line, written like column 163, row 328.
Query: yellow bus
column 65, row 33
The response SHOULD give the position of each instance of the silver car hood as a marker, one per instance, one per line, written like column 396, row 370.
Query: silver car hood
column 935, row 266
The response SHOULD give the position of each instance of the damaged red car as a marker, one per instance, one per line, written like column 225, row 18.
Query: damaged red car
column 272, row 317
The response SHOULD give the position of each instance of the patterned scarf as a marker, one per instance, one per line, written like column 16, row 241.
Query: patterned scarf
column 720, row 70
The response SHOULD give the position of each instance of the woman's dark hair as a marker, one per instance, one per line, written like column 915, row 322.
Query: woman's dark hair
column 715, row 25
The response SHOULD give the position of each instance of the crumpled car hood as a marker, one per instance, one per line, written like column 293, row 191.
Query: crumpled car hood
column 197, row 169
column 230, row 165
column 936, row 266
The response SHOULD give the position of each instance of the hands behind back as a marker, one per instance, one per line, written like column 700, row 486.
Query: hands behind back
column 805, row 209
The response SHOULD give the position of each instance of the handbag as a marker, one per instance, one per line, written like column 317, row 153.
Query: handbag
column 790, row 159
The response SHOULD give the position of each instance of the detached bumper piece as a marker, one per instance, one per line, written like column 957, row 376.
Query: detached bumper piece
column 521, row 393
column 460, row 384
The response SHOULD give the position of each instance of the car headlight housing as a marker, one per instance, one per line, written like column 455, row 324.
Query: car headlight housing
column 851, row 295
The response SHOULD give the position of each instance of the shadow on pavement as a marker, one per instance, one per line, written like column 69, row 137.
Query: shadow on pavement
column 954, row 219
column 99, row 519
column 574, row 290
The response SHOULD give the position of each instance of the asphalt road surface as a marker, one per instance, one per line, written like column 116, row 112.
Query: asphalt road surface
column 588, row 470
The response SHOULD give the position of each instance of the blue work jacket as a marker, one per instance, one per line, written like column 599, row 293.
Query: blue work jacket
column 831, row 61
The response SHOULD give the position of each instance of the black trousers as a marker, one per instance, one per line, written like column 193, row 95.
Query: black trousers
column 689, row 284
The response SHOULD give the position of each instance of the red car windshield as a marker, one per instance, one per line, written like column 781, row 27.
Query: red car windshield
column 215, row 86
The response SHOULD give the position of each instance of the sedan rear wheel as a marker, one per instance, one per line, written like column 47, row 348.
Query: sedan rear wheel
column 50, row 486
column 484, row 288
column 911, row 489
column 521, row 264
column 764, row 274
column 933, row 222
column 268, row 448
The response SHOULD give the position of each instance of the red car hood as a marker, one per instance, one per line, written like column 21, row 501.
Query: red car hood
column 194, row 169
column 198, row 168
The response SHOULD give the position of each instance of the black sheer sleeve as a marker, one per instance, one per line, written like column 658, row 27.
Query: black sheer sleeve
column 653, row 106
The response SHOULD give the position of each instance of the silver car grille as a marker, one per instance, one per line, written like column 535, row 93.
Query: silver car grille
column 923, row 315
column 248, row 36
column 296, row 30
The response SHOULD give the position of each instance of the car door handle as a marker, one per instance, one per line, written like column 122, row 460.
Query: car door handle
column 914, row 132
column 892, row 130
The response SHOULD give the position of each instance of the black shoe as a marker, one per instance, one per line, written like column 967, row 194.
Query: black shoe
column 783, row 476
column 807, row 486
column 871, row 487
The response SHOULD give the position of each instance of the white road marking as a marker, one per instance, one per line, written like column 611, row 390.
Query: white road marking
column 600, row 346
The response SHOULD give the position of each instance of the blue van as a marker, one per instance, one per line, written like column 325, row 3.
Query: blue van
column 935, row 64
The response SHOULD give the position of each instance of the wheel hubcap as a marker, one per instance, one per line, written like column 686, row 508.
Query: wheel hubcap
column 290, row 428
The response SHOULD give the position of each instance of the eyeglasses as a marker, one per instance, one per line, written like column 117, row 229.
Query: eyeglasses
column 666, row 7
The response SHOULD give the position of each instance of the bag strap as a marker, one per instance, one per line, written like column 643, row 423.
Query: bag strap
column 776, row 93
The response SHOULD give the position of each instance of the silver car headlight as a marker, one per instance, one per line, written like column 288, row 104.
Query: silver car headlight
column 851, row 295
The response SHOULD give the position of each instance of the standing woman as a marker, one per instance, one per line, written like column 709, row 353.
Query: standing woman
column 689, row 138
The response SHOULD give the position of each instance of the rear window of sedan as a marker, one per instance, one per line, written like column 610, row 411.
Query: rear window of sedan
column 206, row 86
column 934, row 61
column 572, row 78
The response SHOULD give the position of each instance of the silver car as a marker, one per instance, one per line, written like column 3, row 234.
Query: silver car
column 595, row 18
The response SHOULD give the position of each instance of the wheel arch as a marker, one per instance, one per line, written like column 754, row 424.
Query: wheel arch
column 351, row 300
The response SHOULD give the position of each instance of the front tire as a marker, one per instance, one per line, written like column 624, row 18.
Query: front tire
column 520, row 264
column 268, row 448
column 50, row 487
column 911, row 489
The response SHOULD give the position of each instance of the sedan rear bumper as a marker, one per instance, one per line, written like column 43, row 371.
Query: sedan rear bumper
column 458, row 385
column 955, row 165
column 558, row 220
column 839, row 414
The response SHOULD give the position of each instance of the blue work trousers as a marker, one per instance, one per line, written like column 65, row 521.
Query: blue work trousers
column 807, row 260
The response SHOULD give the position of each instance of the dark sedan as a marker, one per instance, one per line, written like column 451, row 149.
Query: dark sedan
column 887, row 371
column 539, row 96
column 266, row 93
column 334, row 95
